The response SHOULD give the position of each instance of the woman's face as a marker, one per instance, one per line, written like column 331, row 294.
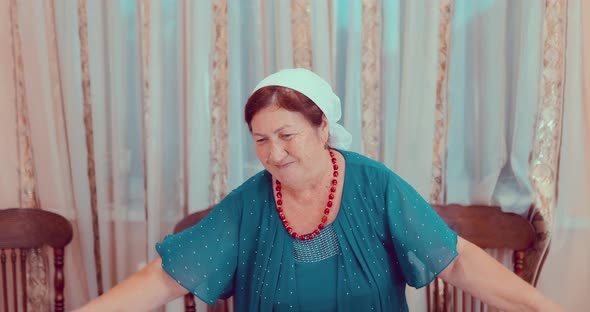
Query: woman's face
column 287, row 145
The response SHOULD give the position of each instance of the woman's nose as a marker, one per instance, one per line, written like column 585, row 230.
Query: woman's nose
column 277, row 153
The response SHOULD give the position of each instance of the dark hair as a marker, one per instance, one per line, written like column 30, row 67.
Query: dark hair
column 285, row 98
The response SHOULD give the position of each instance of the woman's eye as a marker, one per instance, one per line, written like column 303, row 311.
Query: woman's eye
column 260, row 140
column 287, row 136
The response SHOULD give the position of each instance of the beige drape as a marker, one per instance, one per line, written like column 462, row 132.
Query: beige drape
column 125, row 116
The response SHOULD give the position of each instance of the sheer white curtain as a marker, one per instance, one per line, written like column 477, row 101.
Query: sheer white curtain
column 493, row 96
column 106, row 113
column 135, row 110
column 54, row 152
column 566, row 275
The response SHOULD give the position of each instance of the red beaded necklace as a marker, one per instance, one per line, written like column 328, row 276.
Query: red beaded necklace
column 329, row 204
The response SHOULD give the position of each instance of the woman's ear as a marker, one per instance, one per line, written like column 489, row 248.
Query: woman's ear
column 325, row 130
column 324, row 126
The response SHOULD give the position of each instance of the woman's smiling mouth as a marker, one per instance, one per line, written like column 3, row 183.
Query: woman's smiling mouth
column 283, row 166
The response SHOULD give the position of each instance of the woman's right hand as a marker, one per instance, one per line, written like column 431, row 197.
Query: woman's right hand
column 145, row 290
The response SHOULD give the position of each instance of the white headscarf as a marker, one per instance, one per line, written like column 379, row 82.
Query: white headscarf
column 320, row 92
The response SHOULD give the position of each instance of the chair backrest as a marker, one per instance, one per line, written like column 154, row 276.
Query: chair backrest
column 22, row 229
column 189, row 299
column 486, row 227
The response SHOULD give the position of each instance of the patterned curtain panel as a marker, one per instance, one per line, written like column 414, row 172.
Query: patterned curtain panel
column 124, row 116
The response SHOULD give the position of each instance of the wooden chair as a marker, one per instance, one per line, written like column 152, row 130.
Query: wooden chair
column 23, row 229
column 489, row 227
column 189, row 299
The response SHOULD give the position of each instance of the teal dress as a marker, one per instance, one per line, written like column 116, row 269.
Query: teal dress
column 385, row 236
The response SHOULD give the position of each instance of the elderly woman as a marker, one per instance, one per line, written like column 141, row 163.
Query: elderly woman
column 321, row 229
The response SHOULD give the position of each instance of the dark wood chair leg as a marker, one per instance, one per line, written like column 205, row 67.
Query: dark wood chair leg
column 189, row 303
column 4, row 280
column 23, row 273
column 59, row 279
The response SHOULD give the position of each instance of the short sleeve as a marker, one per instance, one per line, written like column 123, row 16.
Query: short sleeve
column 203, row 258
column 423, row 243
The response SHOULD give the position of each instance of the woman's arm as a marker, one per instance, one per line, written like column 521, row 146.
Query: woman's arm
column 143, row 291
column 485, row 278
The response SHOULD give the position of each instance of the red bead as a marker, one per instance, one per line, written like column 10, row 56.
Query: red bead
column 280, row 209
column 289, row 230
column 279, row 202
column 285, row 223
column 294, row 234
column 282, row 216
column 335, row 173
column 334, row 160
column 329, row 204
column 321, row 226
column 331, row 196
column 309, row 236
column 333, row 189
column 331, row 154
column 335, row 167
column 324, row 219
column 278, row 188
column 279, row 195
column 316, row 232
column 334, row 181
column 277, row 182
column 301, row 237
column 327, row 211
